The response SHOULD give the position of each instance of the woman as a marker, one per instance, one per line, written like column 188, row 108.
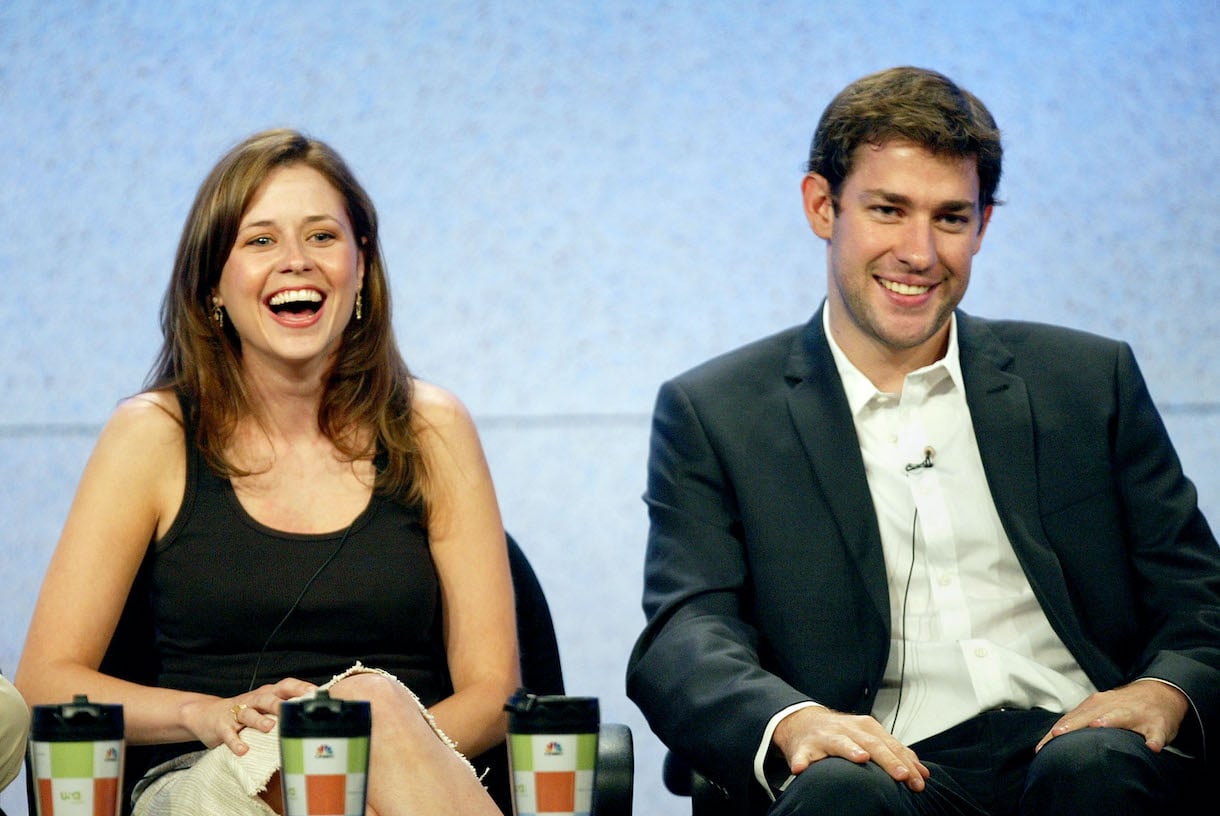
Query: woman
column 303, row 503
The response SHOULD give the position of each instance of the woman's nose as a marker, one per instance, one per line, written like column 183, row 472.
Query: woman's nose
column 296, row 255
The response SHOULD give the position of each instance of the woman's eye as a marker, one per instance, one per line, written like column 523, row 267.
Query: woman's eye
column 261, row 240
column 322, row 237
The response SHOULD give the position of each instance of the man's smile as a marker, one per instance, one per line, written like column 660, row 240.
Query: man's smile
column 905, row 288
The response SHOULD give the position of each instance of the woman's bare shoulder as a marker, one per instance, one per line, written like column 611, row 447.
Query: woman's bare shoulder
column 150, row 414
column 438, row 407
column 144, row 435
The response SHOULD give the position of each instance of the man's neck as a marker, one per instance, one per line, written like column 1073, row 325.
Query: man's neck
column 886, row 367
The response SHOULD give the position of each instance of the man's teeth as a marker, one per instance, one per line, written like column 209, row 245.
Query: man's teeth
column 295, row 296
column 903, row 288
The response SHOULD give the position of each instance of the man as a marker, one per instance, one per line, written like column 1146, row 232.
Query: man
column 904, row 560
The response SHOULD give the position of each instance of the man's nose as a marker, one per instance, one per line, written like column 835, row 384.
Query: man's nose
column 916, row 245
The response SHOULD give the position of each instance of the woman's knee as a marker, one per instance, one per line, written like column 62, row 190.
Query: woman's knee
column 371, row 686
column 392, row 705
column 384, row 694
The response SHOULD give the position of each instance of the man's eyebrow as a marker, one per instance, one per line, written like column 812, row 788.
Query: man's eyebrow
column 952, row 205
column 886, row 196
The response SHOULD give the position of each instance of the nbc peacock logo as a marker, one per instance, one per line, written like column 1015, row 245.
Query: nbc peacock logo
column 324, row 752
column 553, row 749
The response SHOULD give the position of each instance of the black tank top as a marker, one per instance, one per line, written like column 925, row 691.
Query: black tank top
column 221, row 582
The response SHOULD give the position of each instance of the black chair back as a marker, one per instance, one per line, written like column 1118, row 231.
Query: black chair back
column 541, row 671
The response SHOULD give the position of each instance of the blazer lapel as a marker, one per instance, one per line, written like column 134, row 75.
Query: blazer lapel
column 822, row 419
column 1004, row 429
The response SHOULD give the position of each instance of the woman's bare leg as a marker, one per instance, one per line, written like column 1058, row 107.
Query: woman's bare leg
column 273, row 795
column 411, row 771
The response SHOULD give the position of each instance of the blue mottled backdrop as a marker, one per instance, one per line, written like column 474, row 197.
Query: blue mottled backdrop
column 579, row 200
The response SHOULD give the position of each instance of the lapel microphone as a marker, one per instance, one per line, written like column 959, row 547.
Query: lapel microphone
column 928, row 453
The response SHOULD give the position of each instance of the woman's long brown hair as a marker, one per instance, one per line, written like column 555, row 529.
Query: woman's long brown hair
column 367, row 392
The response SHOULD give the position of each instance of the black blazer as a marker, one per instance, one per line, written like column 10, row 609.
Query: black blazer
column 764, row 579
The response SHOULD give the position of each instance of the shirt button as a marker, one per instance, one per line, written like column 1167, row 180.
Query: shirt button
column 944, row 580
column 980, row 652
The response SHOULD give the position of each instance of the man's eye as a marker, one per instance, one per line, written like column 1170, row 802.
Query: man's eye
column 885, row 210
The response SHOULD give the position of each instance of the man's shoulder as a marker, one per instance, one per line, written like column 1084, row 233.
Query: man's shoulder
column 1027, row 338
column 761, row 359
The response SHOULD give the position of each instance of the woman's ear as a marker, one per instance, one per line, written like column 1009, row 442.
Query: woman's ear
column 360, row 258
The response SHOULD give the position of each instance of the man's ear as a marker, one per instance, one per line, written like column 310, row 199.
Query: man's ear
column 819, row 205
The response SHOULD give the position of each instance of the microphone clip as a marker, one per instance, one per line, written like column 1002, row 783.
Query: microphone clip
column 928, row 453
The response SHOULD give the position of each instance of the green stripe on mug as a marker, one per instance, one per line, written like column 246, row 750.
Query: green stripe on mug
column 73, row 759
column 292, row 754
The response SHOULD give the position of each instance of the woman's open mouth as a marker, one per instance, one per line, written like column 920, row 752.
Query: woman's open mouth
column 296, row 307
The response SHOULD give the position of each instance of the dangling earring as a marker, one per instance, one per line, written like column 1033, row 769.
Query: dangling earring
column 218, row 316
column 359, row 305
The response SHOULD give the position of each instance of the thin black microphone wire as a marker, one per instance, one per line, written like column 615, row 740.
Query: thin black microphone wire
column 902, row 623
column 300, row 595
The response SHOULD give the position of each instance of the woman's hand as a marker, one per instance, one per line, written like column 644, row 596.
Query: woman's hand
column 216, row 720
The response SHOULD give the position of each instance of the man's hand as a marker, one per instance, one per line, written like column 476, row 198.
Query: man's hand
column 810, row 734
column 1152, row 709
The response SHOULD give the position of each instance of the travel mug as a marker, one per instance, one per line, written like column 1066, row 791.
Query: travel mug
column 552, row 753
column 324, row 748
column 76, row 758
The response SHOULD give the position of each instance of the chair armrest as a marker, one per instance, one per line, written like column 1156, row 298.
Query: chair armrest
column 676, row 774
column 614, row 785
column 707, row 798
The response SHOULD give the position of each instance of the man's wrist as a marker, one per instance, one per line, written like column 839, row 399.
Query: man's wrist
column 770, row 764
